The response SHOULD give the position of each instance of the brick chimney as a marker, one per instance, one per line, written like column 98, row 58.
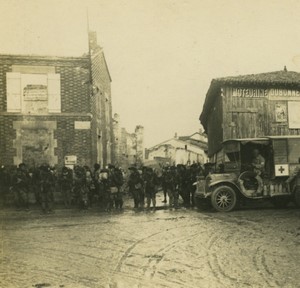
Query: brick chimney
column 93, row 40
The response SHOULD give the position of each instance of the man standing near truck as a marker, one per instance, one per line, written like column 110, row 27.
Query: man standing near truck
column 294, row 174
column 258, row 163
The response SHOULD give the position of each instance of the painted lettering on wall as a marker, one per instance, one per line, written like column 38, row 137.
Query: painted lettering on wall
column 259, row 93
column 283, row 92
column 249, row 92
column 35, row 92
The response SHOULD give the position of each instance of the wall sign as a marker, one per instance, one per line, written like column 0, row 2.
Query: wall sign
column 71, row 160
column 280, row 112
column 35, row 92
column 85, row 125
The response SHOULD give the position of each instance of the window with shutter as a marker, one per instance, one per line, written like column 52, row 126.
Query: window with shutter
column 54, row 99
column 13, row 92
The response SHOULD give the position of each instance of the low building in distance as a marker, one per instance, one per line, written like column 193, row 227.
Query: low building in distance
column 180, row 150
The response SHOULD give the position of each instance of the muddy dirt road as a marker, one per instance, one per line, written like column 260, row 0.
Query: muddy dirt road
column 184, row 248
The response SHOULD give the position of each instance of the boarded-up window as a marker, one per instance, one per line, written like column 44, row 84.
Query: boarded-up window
column 13, row 92
column 54, row 101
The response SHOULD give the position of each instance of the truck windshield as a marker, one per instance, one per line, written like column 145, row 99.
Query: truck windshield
column 232, row 157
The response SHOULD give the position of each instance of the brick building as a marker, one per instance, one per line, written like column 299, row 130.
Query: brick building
column 101, row 106
column 53, row 109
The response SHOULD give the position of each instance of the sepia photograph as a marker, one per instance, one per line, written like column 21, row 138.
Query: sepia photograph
column 149, row 143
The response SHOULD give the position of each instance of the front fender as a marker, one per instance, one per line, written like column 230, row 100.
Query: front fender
column 227, row 182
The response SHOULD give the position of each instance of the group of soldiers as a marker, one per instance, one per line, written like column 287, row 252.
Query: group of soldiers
column 174, row 180
column 81, row 187
column 180, row 181
column 18, row 182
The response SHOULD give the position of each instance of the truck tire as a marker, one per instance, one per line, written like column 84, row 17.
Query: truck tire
column 223, row 198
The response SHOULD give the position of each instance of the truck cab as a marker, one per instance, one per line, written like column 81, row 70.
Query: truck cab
column 255, row 168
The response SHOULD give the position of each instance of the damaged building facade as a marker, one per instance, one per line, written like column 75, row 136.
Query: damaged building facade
column 55, row 110
column 128, row 147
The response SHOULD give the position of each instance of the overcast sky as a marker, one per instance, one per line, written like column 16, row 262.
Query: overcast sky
column 162, row 54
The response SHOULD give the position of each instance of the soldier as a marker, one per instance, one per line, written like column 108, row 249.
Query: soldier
column 96, row 178
column 150, row 182
column 258, row 164
column 163, row 184
column 194, row 171
column 116, row 181
column 20, row 187
column 172, row 186
column 104, row 189
column 293, row 176
column 47, row 186
column 66, row 185
column 80, row 188
column 135, row 184
column 90, row 185
column 4, row 183
column 35, row 184
column 182, row 179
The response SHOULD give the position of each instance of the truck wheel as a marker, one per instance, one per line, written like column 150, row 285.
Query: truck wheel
column 223, row 199
column 297, row 197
